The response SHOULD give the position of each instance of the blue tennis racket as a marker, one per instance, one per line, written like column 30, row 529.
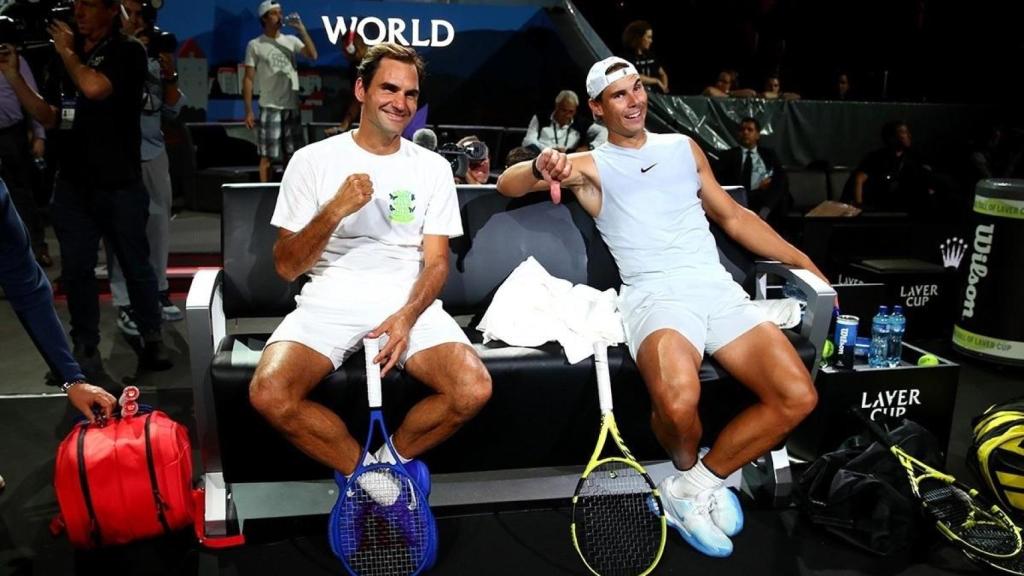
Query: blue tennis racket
column 381, row 524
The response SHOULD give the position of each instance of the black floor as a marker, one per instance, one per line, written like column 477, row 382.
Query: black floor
column 532, row 541
column 525, row 541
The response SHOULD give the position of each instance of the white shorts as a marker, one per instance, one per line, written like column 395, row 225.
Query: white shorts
column 332, row 317
column 708, row 313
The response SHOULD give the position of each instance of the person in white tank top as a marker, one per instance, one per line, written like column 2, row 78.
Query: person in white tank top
column 651, row 196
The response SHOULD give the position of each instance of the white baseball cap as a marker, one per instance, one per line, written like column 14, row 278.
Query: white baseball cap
column 598, row 80
column 267, row 6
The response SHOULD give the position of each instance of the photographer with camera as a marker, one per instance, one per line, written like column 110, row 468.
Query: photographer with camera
column 270, row 65
column 161, row 99
column 21, row 140
column 98, row 190
column 470, row 160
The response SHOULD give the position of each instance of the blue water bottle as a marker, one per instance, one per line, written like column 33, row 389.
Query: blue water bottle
column 897, row 326
column 878, row 352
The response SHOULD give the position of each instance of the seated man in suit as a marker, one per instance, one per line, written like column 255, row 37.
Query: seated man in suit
column 756, row 168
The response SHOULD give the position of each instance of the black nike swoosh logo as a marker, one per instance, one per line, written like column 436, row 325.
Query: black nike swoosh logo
column 644, row 170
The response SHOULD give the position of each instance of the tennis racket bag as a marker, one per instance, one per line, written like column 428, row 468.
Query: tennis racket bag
column 859, row 492
column 996, row 453
column 126, row 480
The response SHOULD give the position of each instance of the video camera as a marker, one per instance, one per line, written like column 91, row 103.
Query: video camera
column 23, row 23
column 460, row 156
column 159, row 42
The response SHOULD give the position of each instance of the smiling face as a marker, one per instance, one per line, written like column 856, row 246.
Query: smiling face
column 392, row 97
column 622, row 106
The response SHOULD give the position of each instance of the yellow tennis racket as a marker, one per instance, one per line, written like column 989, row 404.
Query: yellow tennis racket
column 618, row 521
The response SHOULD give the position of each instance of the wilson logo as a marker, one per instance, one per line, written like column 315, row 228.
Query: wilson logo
column 983, row 236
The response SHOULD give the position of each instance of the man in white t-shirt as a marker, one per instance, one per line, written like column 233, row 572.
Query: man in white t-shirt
column 368, row 216
column 270, row 63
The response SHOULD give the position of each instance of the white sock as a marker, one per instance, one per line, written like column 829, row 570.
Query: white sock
column 689, row 483
column 384, row 455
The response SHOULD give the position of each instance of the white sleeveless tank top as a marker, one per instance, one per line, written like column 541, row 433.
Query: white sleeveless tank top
column 651, row 215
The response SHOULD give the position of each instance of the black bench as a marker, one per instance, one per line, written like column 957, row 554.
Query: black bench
column 543, row 416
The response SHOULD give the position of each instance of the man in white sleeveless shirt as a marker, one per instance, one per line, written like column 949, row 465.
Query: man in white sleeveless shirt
column 651, row 196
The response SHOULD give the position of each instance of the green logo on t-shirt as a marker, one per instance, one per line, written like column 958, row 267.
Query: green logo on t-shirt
column 401, row 206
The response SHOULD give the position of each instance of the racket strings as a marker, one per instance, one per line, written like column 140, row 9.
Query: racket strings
column 618, row 520
column 973, row 525
column 384, row 524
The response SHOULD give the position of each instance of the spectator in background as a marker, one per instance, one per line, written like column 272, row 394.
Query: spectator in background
column 841, row 89
column 727, row 86
column 161, row 99
column 773, row 89
column 479, row 170
column 270, row 65
column 560, row 130
column 519, row 154
column 353, row 48
column 758, row 169
column 892, row 178
column 637, row 39
column 17, row 151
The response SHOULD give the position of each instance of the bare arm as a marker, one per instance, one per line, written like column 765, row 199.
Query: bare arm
column 308, row 48
column 250, row 73
column 424, row 292
column 859, row 178
column 664, row 79
column 743, row 225
column 29, row 98
column 575, row 171
column 296, row 252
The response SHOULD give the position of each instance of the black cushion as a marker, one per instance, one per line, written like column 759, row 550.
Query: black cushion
column 543, row 411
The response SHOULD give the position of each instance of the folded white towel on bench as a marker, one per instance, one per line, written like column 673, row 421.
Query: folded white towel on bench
column 533, row 307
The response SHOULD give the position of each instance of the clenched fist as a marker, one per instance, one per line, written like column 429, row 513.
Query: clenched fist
column 353, row 194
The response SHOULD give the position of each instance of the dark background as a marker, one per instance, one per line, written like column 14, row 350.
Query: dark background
column 933, row 51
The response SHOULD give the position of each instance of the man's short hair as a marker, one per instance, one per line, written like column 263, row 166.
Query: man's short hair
column 752, row 120
column 519, row 154
column 567, row 95
column 368, row 67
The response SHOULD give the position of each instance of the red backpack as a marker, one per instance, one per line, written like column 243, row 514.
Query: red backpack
column 125, row 480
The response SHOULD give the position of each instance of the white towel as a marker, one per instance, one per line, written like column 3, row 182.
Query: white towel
column 784, row 312
column 532, row 307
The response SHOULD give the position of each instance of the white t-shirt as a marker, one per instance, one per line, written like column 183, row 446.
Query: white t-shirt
column 413, row 195
column 277, row 79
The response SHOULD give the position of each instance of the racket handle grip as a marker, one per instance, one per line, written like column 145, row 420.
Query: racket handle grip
column 873, row 427
column 371, row 347
column 604, row 380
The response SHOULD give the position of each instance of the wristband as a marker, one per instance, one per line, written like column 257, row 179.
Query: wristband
column 65, row 387
column 536, row 173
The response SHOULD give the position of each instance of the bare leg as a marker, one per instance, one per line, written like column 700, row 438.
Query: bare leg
column 264, row 169
column 670, row 367
column 286, row 374
column 463, row 386
column 764, row 361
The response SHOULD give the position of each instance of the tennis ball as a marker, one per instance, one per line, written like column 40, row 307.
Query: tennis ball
column 2, row 484
column 928, row 360
column 828, row 349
